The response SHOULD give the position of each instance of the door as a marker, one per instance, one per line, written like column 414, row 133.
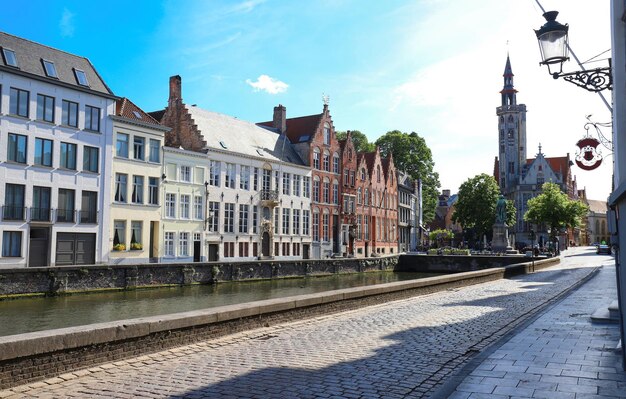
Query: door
column 336, row 234
column 39, row 244
column 213, row 252
column 196, row 251
column 265, row 244
column 305, row 251
column 76, row 249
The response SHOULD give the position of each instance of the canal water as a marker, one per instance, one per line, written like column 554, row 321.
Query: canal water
column 44, row 313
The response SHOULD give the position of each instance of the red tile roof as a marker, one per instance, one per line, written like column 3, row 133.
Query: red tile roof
column 126, row 108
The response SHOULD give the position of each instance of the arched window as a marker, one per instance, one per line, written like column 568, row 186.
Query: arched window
column 335, row 192
column 326, row 191
column 363, row 174
column 366, row 197
column 316, row 158
column 358, row 195
column 327, row 133
column 316, row 189
column 326, row 161
column 335, row 163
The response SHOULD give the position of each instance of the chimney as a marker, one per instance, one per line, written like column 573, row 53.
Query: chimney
column 280, row 118
column 446, row 193
column 175, row 89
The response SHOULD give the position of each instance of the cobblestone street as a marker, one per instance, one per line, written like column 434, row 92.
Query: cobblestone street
column 402, row 349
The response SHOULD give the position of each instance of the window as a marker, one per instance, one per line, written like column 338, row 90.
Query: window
column 197, row 207
column 89, row 207
column 243, row 218
column 120, row 187
column 366, row 197
column 81, row 78
column 214, row 216
column 119, row 235
column 306, row 189
column 18, row 102
column 326, row 161
column 276, row 220
column 184, row 206
column 255, row 179
column 230, row 175
column 378, row 174
column 286, row 184
column 358, row 195
column 316, row 189
column 243, row 249
column 68, row 156
column 135, row 234
column 327, row 133
column 40, row 210
column 335, row 163
column 13, row 202
column 229, row 218
column 305, row 222
column 70, row 113
column 286, row 217
column 326, row 191
column 511, row 167
column 49, row 68
column 296, row 221
column 45, row 108
column 326, row 227
column 229, row 249
column 185, row 173
column 139, row 148
column 17, row 148
column 214, row 173
column 121, row 147
column 153, row 190
column 90, row 159
column 65, row 206
column 316, row 226
column 336, row 192
column 169, row 243
column 286, row 246
column 244, row 179
column 92, row 118
column 170, row 205
column 137, row 197
column 296, row 185
column 352, row 178
column 316, row 158
column 345, row 177
column 366, row 227
column 9, row 57
column 43, row 152
column 155, row 151
column 12, row 244
column 363, row 174
column 183, row 244
column 255, row 219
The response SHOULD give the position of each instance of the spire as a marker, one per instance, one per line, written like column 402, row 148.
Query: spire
column 508, row 91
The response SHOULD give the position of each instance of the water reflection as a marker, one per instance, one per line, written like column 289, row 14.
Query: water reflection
column 37, row 314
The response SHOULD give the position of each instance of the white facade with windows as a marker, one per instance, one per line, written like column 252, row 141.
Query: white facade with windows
column 55, row 151
column 136, row 203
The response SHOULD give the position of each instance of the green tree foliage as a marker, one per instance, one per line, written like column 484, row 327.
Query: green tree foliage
column 360, row 141
column 476, row 207
column 554, row 209
column 440, row 237
column 412, row 155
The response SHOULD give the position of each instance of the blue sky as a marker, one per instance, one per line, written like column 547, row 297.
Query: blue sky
column 431, row 66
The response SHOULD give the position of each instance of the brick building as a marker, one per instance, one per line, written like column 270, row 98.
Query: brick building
column 348, row 195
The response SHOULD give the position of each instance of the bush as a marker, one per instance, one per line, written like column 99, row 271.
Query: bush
column 119, row 247
column 135, row 246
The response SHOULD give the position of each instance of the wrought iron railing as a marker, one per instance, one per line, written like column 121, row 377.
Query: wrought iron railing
column 269, row 195
column 40, row 214
column 13, row 212
column 88, row 217
column 65, row 215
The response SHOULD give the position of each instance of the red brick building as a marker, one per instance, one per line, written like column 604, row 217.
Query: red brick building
column 313, row 137
column 348, row 195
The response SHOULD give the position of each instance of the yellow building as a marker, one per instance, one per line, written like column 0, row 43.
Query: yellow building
column 136, row 178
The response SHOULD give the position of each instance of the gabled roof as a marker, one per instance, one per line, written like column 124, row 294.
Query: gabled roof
column 29, row 56
column 227, row 133
column 300, row 129
column 597, row 206
column 158, row 115
column 127, row 109
column 370, row 158
column 557, row 164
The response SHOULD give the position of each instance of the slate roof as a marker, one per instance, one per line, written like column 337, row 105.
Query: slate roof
column 597, row 206
column 300, row 129
column 29, row 57
column 242, row 137
column 127, row 109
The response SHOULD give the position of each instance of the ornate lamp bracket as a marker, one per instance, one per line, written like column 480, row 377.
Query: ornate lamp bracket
column 594, row 80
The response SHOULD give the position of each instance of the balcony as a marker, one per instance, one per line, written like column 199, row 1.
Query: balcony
column 65, row 215
column 269, row 198
column 13, row 212
column 40, row 214
column 88, row 217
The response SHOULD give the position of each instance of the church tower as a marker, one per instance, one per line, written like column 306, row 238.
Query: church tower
column 512, row 135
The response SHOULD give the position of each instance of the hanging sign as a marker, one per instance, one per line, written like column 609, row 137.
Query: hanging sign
column 589, row 157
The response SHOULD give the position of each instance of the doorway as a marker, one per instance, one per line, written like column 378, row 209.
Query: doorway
column 265, row 244
column 213, row 252
column 39, row 244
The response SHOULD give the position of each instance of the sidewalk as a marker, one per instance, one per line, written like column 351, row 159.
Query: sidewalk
column 561, row 354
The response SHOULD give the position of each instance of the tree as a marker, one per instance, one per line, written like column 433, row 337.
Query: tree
column 360, row 141
column 475, row 208
column 440, row 236
column 554, row 209
column 412, row 155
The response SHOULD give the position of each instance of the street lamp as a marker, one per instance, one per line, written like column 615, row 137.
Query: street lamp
column 554, row 48
column 532, row 237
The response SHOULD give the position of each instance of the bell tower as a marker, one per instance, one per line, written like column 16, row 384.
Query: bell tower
column 512, row 134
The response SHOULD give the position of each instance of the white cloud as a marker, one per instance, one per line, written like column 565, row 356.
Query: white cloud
column 268, row 85
column 246, row 6
column 67, row 23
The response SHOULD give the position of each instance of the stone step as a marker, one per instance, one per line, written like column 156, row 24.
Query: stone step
column 614, row 309
column 603, row 315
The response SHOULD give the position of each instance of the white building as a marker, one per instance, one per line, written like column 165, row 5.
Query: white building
column 55, row 154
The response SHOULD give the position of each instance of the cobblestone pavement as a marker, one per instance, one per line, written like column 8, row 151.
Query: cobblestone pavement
column 401, row 349
column 559, row 355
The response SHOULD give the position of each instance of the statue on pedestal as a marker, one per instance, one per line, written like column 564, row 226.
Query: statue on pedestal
column 500, row 242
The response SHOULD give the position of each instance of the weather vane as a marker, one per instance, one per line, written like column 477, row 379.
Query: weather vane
column 325, row 99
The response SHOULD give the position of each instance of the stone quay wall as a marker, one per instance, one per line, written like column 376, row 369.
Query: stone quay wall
column 457, row 263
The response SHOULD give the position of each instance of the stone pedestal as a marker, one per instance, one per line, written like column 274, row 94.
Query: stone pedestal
column 500, row 241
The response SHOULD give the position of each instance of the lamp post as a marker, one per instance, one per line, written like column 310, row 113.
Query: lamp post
column 532, row 237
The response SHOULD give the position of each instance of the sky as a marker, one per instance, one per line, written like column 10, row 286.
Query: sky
column 430, row 66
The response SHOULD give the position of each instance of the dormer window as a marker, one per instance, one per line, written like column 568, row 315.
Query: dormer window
column 9, row 57
column 137, row 115
column 51, row 71
column 81, row 78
